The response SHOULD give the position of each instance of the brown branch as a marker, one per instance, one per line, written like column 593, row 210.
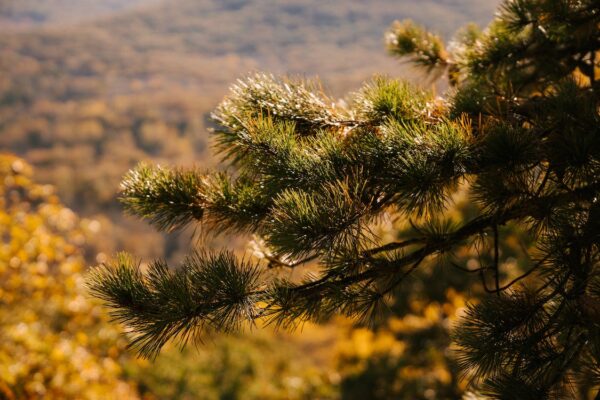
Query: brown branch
column 403, row 276
column 393, row 246
column 275, row 262
column 517, row 279
column 478, row 225
column 496, row 256
column 467, row 270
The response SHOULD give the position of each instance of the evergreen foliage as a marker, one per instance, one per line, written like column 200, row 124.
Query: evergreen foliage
column 312, row 176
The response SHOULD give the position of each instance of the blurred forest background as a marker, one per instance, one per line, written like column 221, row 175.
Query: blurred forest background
column 88, row 88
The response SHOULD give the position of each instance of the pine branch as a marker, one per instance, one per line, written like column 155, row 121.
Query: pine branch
column 169, row 199
column 216, row 291
column 303, row 103
column 208, row 291
column 384, row 99
column 306, row 222
column 406, row 39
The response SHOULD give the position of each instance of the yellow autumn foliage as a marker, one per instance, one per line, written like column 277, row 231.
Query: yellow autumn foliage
column 407, row 356
column 55, row 343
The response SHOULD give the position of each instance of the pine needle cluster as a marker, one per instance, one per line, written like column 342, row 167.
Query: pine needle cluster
column 310, row 176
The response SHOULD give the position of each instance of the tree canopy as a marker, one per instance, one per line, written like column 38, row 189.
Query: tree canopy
column 311, row 176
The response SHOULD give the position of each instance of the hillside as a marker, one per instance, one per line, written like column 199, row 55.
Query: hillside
column 84, row 98
column 24, row 14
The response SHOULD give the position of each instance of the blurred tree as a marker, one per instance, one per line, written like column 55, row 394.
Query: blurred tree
column 54, row 342
column 240, row 367
column 312, row 178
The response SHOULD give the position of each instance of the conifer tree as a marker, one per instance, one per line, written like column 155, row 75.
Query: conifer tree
column 310, row 176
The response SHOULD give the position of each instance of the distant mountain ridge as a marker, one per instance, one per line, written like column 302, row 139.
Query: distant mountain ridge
column 178, row 39
column 24, row 14
column 36, row 12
